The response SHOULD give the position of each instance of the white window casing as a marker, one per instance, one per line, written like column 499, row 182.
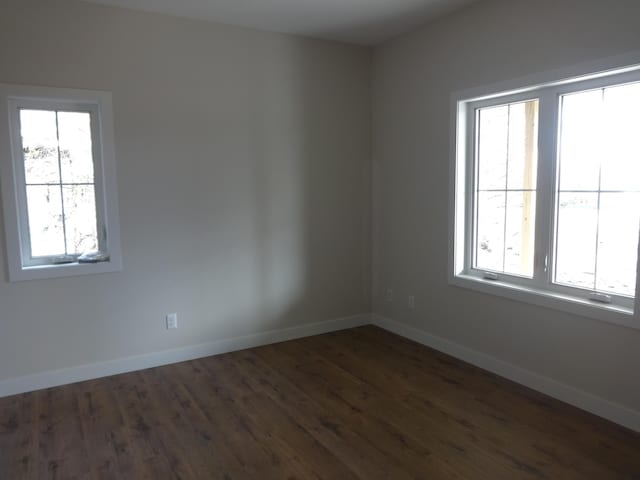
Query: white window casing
column 541, row 289
column 22, row 265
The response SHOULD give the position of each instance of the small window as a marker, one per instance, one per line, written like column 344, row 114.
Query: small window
column 547, row 194
column 59, row 182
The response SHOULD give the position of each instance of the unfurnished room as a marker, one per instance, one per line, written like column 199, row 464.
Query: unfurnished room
column 320, row 239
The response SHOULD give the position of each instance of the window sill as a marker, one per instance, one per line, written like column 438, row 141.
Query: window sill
column 64, row 270
column 578, row 306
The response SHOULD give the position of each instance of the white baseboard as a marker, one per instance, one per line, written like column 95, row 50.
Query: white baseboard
column 91, row 371
column 586, row 401
column 598, row 406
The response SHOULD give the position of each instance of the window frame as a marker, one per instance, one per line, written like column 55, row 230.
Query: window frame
column 13, row 98
column 540, row 289
column 472, row 165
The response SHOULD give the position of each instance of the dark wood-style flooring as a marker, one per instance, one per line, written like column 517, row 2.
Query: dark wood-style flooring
column 355, row 404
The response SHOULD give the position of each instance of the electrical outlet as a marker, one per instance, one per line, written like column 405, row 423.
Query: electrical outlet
column 411, row 302
column 388, row 295
column 172, row 321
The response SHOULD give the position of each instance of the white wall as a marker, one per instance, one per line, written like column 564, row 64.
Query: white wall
column 243, row 169
column 413, row 78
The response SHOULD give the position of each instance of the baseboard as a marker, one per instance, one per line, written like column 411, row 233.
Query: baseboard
column 91, row 371
column 598, row 406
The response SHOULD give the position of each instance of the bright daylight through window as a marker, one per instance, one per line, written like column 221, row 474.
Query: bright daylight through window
column 58, row 182
column 547, row 192
column 505, row 191
column 598, row 199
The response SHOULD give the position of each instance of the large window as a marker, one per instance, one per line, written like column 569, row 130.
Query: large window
column 547, row 194
column 58, row 182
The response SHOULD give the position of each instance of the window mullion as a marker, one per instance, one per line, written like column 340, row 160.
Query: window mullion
column 545, row 198
column 64, row 215
column 98, row 191
column 470, row 186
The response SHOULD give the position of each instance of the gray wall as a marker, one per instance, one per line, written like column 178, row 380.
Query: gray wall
column 244, row 198
column 413, row 78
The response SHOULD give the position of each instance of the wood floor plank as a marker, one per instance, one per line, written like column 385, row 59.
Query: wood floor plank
column 209, row 420
column 273, row 425
column 547, row 417
column 153, row 459
column 18, row 437
column 194, row 450
column 358, row 452
column 227, row 415
column 406, row 437
column 101, row 424
column 496, row 431
column 356, row 404
column 62, row 450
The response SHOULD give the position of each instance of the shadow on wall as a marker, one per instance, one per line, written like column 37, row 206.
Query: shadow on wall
column 307, row 221
column 294, row 228
column 242, row 164
column 282, row 137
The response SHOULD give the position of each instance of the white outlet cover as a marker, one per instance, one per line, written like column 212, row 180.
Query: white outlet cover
column 172, row 321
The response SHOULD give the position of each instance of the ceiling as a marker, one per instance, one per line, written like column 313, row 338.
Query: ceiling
column 364, row 22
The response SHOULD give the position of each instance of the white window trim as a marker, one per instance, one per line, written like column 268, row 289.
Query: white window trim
column 459, row 212
column 105, row 179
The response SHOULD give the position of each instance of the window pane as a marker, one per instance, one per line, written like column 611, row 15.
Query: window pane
column 599, row 152
column 523, row 145
column 76, row 157
column 507, row 170
column 493, row 140
column 618, row 243
column 39, row 146
column 519, row 233
column 620, row 132
column 580, row 145
column 576, row 241
column 80, row 219
column 45, row 220
column 490, row 231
